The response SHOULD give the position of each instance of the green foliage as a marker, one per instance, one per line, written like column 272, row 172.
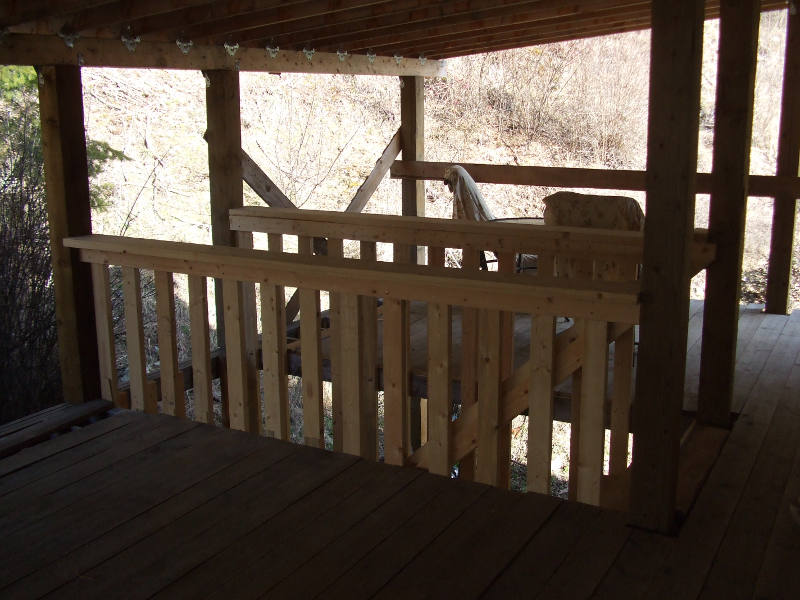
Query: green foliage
column 29, row 371
column 14, row 80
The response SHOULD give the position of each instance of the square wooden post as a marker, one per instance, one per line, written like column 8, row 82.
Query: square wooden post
column 733, row 124
column 783, row 216
column 412, row 140
column 69, row 214
column 226, row 191
column 675, row 62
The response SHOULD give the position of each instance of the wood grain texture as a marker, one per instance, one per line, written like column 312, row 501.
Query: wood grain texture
column 311, row 383
column 540, row 404
column 273, row 354
column 173, row 401
column 733, row 123
column 676, row 58
column 783, row 217
column 69, row 213
column 201, row 350
column 104, row 321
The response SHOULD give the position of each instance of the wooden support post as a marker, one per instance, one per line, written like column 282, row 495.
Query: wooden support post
column 783, row 217
column 412, row 138
column 733, row 123
column 69, row 214
column 675, row 62
column 226, row 191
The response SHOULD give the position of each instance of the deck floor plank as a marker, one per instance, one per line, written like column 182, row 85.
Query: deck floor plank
column 31, row 431
column 280, row 530
column 142, row 505
column 85, row 478
column 468, row 556
column 148, row 522
column 274, row 563
column 15, row 470
column 159, row 559
column 389, row 557
column 782, row 554
column 589, row 560
column 180, row 461
column 322, row 569
column 738, row 561
column 667, row 567
column 545, row 553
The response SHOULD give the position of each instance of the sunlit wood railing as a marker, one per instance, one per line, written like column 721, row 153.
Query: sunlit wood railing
column 492, row 393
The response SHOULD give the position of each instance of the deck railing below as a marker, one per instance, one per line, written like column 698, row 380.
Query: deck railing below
column 473, row 435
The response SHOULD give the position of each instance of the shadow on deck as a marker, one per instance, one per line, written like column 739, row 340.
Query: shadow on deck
column 144, row 506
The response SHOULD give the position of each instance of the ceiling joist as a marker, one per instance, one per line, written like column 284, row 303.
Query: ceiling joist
column 387, row 28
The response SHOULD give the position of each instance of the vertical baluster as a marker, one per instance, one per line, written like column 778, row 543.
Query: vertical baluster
column 540, row 403
column 350, row 373
column 172, row 398
column 395, row 378
column 489, row 455
column 368, row 351
column 469, row 360
column 273, row 353
column 506, row 263
column 104, row 322
column 201, row 350
column 240, row 407
column 592, row 422
column 311, row 357
column 142, row 397
column 575, row 428
column 336, row 250
column 439, row 395
column 621, row 403
column 622, row 393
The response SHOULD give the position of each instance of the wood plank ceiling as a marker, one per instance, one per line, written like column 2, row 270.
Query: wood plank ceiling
column 407, row 28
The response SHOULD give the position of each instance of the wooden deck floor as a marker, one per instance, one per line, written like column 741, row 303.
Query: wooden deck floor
column 143, row 506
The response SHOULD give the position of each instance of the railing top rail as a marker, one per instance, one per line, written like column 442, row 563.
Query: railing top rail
column 449, row 233
column 599, row 300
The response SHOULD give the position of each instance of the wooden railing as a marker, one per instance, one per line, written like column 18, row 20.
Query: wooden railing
column 492, row 394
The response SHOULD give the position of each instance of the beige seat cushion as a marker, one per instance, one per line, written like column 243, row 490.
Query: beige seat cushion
column 571, row 209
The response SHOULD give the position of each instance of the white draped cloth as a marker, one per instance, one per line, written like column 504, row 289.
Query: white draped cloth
column 468, row 202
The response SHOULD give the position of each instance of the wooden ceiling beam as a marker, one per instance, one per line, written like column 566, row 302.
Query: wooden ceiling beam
column 23, row 49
